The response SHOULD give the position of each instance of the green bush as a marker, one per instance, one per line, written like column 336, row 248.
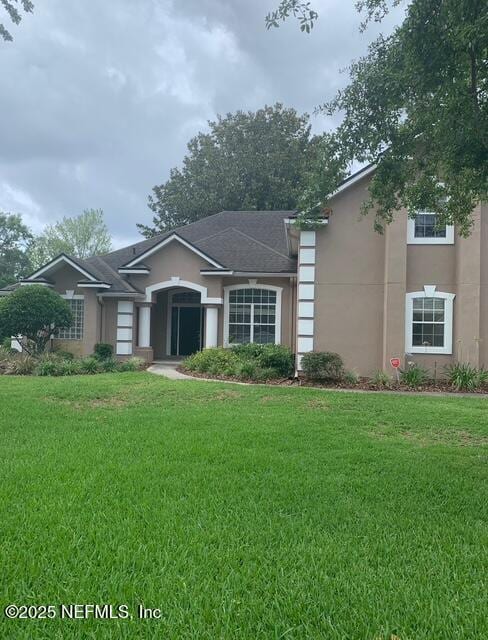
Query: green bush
column 132, row 364
column 351, row 377
column 246, row 369
column 64, row 355
column 89, row 365
column 20, row 365
column 248, row 351
column 48, row 366
column 103, row 351
column 53, row 365
column 381, row 379
column 322, row 365
column 5, row 354
column 247, row 361
column 464, row 377
column 414, row 376
column 7, row 344
column 108, row 365
column 214, row 361
column 263, row 374
column 278, row 358
column 35, row 312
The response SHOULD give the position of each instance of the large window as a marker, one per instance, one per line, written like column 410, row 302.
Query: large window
column 429, row 322
column 425, row 229
column 252, row 315
column 75, row 332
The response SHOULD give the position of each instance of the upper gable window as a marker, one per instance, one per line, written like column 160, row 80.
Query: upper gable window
column 424, row 229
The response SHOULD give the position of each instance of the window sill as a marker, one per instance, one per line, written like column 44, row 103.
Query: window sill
column 431, row 241
column 441, row 351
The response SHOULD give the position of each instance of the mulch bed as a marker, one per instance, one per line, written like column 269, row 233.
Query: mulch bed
column 364, row 384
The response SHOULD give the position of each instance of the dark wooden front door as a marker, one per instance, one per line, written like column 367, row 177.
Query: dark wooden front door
column 185, row 330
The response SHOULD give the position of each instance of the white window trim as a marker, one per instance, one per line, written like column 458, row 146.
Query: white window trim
column 430, row 292
column 411, row 239
column 269, row 287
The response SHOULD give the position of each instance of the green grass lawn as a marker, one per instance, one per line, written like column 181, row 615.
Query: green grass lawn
column 242, row 512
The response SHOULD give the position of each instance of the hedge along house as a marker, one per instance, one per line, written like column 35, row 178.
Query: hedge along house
column 418, row 292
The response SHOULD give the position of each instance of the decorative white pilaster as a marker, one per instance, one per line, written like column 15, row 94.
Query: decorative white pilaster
column 306, row 294
column 125, row 323
column 144, row 326
column 211, row 327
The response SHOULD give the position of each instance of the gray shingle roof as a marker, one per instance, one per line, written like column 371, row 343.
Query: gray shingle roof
column 239, row 240
column 252, row 241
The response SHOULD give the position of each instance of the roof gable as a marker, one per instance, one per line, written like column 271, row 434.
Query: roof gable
column 174, row 237
column 66, row 259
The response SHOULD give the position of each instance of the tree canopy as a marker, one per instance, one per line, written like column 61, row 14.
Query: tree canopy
column 417, row 107
column 14, row 239
column 82, row 236
column 14, row 14
column 34, row 312
column 246, row 161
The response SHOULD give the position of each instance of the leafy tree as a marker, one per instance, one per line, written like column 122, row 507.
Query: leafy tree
column 34, row 312
column 14, row 237
column 82, row 237
column 247, row 161
column 417, row 107
column 14, row 14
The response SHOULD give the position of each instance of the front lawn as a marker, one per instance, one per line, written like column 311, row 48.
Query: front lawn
column 242, row 512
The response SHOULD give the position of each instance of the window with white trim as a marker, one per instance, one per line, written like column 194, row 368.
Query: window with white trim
column 425, row 229
column 429, row 317
column 252, row 316
column 75, row 332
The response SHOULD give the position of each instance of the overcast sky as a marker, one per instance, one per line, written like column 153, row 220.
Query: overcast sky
column 98, row 99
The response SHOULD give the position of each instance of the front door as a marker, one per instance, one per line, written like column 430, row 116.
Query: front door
column 186, row 325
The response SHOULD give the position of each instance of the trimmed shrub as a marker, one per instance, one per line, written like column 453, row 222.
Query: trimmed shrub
column 249, row 351
column 35, row 312
column 214, row 361
column 278, row 358
column 103, row 351
column 132, row 364
column 415, row 376
column 322, row 365
column 464, row 377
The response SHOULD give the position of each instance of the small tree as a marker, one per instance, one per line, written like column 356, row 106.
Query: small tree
column 35, row 312
column 83, row 236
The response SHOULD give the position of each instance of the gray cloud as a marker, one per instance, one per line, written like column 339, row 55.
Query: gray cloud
column 98, row 100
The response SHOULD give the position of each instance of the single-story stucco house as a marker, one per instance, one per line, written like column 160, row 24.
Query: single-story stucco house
column 418, row 292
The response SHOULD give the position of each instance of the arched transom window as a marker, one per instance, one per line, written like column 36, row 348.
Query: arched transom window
column 252, row 314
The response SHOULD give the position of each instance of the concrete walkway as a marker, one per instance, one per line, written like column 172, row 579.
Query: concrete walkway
column 167, row 368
